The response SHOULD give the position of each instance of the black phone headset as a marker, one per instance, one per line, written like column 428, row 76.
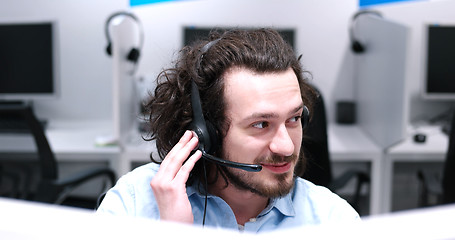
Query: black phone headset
column 135, row 52
column 356, row 45
column 206, row 132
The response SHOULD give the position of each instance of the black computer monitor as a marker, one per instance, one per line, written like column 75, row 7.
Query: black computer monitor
column 192, row 33
column 439, row 62
column 28, row 64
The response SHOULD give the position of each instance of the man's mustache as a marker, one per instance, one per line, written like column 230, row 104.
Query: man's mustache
column 276, row 159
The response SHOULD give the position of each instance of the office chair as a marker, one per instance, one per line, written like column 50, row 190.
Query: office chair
column 434, row 190
column 318, row 169
column 49, row 188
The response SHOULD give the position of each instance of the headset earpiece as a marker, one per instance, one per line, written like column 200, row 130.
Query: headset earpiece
column 205, row 131
column 109, row 49
column 357, row 47
column 214, row 143
column 134, row 54
column 305, row 117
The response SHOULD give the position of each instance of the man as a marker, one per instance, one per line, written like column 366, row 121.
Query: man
column 255, row 97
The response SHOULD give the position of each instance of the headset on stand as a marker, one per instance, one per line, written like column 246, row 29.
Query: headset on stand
column 356, row 45
column 134, row 53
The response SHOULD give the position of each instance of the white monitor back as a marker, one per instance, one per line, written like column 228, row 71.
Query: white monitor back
column 23, row 220
column 380, row 84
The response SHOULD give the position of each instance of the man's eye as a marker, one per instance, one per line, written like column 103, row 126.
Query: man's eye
column 261, row 125
column 295, row 119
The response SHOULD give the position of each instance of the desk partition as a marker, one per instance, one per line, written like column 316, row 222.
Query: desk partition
column 380, row 83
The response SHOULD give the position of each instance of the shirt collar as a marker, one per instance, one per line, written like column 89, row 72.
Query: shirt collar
column 193, row 189
column 283, row 204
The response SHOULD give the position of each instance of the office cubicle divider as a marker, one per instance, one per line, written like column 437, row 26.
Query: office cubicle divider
column 380, row 83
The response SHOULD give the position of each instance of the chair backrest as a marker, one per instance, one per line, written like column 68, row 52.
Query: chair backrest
column 448, row 181
column 48, row 164
column 315, row 145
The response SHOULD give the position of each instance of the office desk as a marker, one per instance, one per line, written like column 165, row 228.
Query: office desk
column 70, row 141
column 346, row 144
column 136, row 149
column 433, row 149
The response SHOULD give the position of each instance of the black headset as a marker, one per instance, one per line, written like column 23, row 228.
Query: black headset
column 206, row 132
column 134, row 53
column 356, row 45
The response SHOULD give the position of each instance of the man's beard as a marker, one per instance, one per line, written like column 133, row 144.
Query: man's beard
column 284, row 182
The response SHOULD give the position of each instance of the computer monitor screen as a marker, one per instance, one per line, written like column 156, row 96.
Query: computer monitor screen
column 192, row 33
column 27, row 61
column 439, row 78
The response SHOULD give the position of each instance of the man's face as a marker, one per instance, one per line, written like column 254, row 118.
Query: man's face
column 264, row 111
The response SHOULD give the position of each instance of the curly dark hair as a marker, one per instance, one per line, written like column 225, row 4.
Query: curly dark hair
column 169, row 107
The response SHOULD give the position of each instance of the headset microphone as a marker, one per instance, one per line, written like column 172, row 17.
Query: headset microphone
column 243, row 166
column 207, row 135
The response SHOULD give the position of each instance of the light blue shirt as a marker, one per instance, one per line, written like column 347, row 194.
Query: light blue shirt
column 306, row 204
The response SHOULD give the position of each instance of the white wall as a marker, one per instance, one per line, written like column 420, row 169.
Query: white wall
column 321, row 27
column 322, row 38
column 85, row 69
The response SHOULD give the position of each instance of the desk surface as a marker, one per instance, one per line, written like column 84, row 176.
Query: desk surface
column 66, row 138
column 434, row 147
column 350, row 142
column 345, row 141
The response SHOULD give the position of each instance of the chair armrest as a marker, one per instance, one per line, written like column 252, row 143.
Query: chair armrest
column 341, row 181
column 432, row 183
column 84, row 176
column 56, row 191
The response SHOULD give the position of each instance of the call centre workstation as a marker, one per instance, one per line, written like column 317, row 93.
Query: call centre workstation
column 73, row 77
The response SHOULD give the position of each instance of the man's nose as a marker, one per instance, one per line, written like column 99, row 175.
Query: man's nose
column 281, row 143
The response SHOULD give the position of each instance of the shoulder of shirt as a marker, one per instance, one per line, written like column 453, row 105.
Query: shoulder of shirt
column 306, row 185
column 316, row 195
column 323, row 200
column 145, row 172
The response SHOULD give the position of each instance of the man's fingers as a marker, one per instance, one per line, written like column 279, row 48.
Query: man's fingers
column 182, row 142
column 185, row 170
column 177, row 156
